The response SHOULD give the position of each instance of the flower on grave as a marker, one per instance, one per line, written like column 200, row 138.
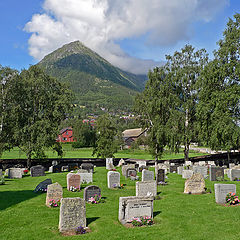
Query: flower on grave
column 232, row 199
column 96, row 199
column 73, row 189
column 25, row 171
column 80, row 230
column 54, row 203
column 141, row 221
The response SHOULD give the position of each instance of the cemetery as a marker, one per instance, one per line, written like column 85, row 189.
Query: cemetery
column 43, row 205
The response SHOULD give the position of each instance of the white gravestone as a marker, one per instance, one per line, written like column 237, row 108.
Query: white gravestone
column 15, row 173
column 148, row 188
column 113, row 179
column 131, row 207
column 147, row 175
column 221, row 191
column 180, row 170
column 109, row 164
column 86, row 177
column 234, row 174
column 187, row 174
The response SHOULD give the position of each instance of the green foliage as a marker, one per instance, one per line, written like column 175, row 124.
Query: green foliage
column 106, row 143
column 168, row 104
column 35, row 107
column 95, row 82
column 84, row 133
column 218, row 110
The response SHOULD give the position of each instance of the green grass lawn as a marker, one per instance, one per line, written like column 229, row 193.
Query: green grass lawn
column 23, row 214
column 70, row 152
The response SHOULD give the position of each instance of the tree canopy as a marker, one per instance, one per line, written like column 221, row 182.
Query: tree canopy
column 107, row 142
column 219, row 97
column 35, row 106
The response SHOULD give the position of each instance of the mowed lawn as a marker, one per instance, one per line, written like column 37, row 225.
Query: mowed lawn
column 70, row 152
column 23, row 214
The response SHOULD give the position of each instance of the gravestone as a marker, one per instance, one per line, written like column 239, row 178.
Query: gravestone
column 216, row 173
column 188, row 163
column 37, row 171
column 161, row 176
column 140, row 169
column 234, row 174
column 180, row 170
column 86, row 177
column 109, row 164
column 147, row 175
column 82, row 171
column 73, row 180
column 113, row 179
column 148, row 188
column 162, row 166
column 195, row 184
column 91, row 191
column 221, row 191
column 141, row 163
column 88, row 166
column 42, row 186
column 173, row 168
column 14, row 173
column 202, row 163
column 55, row 169
column 131, row 172
column 54, row 163
column 72, row 214
column 64, row 168
column 54, row 191
column 231, row 165
column 72, row 166
column 121, row 162
column 201, row 169
column 132, row 207
column 125, row 167
column 211, row 163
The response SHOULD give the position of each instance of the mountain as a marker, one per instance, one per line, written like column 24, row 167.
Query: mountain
column 93, row 79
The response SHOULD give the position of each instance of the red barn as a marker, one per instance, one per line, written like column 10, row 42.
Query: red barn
column 66, row 135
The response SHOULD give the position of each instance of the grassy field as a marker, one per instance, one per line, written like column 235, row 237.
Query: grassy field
column 23, row 214
column 70, row 152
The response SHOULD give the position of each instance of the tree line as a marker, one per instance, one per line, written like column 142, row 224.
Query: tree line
column 192, row 98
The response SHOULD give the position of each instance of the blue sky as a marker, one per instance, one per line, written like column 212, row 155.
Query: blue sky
column 25, row 39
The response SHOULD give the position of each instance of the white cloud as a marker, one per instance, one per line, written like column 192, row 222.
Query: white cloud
column 100, row 23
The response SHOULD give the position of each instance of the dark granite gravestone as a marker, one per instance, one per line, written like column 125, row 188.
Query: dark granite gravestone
column 216, row 173
column 161, row 176
column 56, row 169
column 173, row 169
column 42, row 186
column 91, row 191
column 37, row 171
column 72, row 166
column 131, row 172
column 88, row 166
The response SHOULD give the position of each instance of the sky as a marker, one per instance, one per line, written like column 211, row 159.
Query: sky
column 134, row 35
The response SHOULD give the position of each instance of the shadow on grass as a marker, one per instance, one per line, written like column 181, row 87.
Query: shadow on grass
column 90, row 220
column 10, row 198
column 156, row 213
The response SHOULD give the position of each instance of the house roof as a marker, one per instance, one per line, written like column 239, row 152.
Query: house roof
column 65, row 129
column 136, row 132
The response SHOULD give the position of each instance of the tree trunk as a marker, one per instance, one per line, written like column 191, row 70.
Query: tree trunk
column 186, row 152
column 186, row 143
column 29, row 161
